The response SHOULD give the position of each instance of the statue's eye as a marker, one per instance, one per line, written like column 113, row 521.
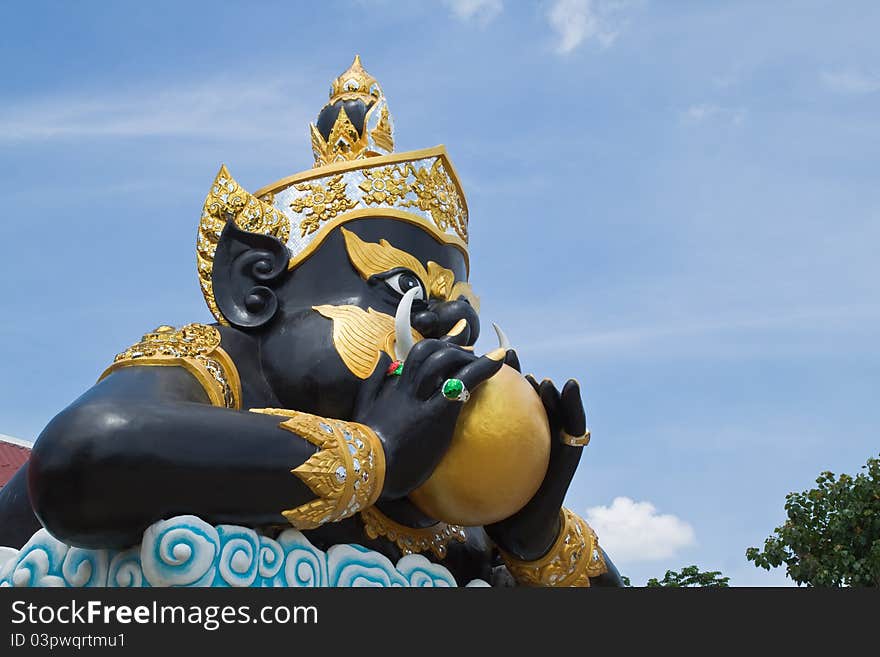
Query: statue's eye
column 403, row 281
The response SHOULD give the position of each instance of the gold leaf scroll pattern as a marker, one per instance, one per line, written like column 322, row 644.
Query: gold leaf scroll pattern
column 228, row 200
column 346, row 473
column 322, row 203
column 433, row 190
column 360, row 336
column 372, row 258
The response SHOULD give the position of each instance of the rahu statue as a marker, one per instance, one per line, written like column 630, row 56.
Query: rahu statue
column 336, row 406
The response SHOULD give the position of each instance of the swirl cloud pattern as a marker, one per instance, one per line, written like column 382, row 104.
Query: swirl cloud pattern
column 186, row 551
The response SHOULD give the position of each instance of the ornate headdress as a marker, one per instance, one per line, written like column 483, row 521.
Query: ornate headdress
column 356, row 174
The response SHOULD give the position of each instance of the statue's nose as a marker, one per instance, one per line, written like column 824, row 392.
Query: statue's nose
column 440, row 316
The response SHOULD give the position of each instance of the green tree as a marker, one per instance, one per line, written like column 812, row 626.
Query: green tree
column 832, row 534
column 691, row 576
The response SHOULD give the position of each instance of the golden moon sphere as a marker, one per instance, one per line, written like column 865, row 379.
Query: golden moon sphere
column 498, row 456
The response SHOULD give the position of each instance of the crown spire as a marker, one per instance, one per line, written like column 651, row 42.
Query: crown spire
column 355, row 122
column 355, row 84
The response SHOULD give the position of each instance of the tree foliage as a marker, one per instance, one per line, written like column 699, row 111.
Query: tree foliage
column 832, row 534
column 691, row 576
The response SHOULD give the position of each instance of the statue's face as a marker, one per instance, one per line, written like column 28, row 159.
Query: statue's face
column 336, row 310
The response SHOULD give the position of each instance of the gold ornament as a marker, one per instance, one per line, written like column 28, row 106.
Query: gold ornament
column 345, row 143
column 227, row 200
column 346, row 473
column 325, row 201
column 355, row 84
column 360, row 336
column 196, row 348
column 372, row 258
column 384, row 185
column 412, row 539
column 418, row 187
column 382, row 134
column 498, row 456
column 574, row 558
column 436, row 193
column 576, row 441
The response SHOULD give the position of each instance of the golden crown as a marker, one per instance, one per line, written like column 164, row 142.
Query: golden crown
column 356, row 174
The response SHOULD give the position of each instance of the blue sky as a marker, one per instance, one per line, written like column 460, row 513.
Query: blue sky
column 675, row 203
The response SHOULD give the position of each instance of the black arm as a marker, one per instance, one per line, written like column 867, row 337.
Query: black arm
column 143, row 444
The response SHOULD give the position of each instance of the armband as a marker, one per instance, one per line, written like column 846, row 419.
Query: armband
column 346, row 473
column 574, row 558
column 196, row 348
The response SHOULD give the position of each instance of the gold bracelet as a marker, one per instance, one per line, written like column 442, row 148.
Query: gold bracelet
column 412, row 539
column 574, row 558
column 346, row 473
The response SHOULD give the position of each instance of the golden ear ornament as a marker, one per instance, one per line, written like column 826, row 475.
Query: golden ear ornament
column 227, row 201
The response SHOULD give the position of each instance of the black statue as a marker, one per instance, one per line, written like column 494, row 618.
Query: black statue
column 212, row 420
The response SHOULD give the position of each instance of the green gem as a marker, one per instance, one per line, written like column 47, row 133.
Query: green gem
column 452, row 388
column 398, row 370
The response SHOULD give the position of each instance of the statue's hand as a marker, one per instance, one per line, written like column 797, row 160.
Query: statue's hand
column 531, row 531
column 409, row 413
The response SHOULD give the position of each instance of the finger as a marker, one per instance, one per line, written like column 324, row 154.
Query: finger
column 474, row 373
column 370, row 388
column 512, row 360
column 417, row 355
column 574, row 419
column 550, row 397
column 533, row 383
column 438, row 367
column 481, row 369
column 460, row 334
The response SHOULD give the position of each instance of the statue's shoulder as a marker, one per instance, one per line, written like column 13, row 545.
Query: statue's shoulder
column 196, row 348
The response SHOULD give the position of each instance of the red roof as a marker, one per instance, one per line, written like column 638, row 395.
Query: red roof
column 12, row 457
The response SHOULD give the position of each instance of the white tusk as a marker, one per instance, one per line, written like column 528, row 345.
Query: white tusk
column 403, row 339
column 503, row 342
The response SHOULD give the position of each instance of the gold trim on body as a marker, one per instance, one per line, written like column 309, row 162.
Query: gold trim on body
column 411, row 540
column 574, row 558
column 346, row 473
column 196, row 348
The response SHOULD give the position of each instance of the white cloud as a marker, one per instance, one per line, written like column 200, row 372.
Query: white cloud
column 851, row 82
column 633, row 531
column 710, row 111
column 223, row 108
column 479, row 11
column 577, row 21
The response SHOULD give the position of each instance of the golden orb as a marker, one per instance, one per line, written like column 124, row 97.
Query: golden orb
column 498, row 456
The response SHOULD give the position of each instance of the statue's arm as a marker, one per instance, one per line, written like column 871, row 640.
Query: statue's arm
column 145, row 444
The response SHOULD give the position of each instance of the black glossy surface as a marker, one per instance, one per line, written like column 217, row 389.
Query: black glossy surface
column 145, row 444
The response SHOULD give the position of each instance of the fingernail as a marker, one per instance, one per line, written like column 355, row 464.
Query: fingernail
column 497, row 354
